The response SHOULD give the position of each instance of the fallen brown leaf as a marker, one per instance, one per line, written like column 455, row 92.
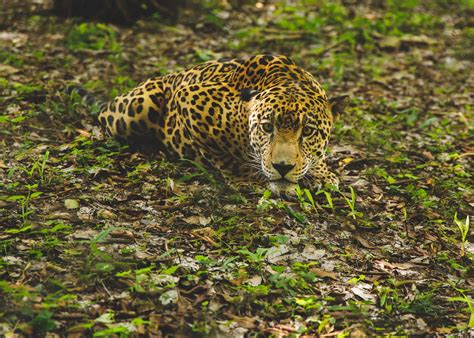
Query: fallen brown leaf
column 365, row 243
column 323, row 273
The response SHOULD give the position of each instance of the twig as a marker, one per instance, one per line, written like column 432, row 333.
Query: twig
column 105, row 288
column 466, row 154
column 325, row 50
column 404, row 181
column 336, row 333
column 173, row 207
column 376, row 273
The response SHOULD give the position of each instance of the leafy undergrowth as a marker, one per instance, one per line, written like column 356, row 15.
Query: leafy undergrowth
column 99, row 239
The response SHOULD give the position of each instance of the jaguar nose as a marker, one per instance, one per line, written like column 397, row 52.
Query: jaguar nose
column 283, row 168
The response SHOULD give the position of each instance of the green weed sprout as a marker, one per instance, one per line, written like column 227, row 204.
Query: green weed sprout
column 470, row 305
column 328, row 198
column 24, row 201
column 351, row 203
column 464, row 229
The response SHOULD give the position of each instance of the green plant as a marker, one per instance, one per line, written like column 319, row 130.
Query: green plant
column 258, row 256
column 39, row 166
column 463, row 229
column 12, row 120
column 468, row 301
column 306, row 199
column 202, row 329
column 74, row 100
column 24, row 201
column 36, row 170
column 424, row 302
column 326, row 323
column 387, row 298
column 10, row 58
column 43, row 322
column 309, row 303
column 202, row 172
column 287, row 282
column 351, row 203
column 99, row 261
column 266, row 203
column 327, row 194
column 122, row 84
column 95, row 36
column 355, row 280
column 120, row 329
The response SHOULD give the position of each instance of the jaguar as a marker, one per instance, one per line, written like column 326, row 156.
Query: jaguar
column 262, row 119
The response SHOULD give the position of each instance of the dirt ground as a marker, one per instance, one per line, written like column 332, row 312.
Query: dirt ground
column 99, row 239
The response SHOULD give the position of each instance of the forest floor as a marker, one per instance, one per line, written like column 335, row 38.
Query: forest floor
column 98, row 239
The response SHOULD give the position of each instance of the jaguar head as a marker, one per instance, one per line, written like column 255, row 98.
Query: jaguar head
column 289, row 126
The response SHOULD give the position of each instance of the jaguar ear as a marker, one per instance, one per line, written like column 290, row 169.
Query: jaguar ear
column 246, row 94
column 338, row 104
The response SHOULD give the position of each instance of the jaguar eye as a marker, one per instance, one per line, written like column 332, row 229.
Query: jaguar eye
column 307, row 131
column 267, row 127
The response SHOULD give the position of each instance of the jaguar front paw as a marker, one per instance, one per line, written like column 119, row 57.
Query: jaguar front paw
column 319, row 182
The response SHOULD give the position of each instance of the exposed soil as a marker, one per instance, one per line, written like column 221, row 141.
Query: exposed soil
column 97, row 238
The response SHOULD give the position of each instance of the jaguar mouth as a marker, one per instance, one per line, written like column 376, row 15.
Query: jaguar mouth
column 282, row 185
column 282, row 181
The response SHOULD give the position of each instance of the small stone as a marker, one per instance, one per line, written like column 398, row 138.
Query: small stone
column 106, row 214
column 168, row 297
column 71, row 203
